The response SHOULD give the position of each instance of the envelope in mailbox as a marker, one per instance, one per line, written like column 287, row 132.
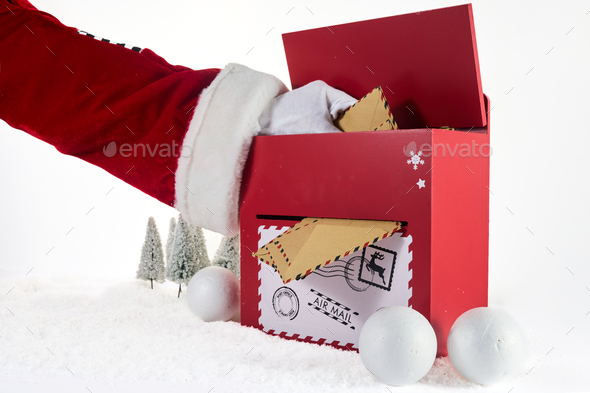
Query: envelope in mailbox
column 315, row 242
column 370, row 113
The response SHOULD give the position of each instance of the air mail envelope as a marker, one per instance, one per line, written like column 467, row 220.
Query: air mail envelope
column 370, row 113
column 316, row 242
column 331, row 304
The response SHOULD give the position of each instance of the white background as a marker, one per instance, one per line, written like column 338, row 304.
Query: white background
column 534, row 59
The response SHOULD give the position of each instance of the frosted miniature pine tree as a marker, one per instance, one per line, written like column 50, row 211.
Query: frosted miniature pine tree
column 181, row 266
column 201, row 256
column 151, row 264
column 170, row 240
column 228, row 254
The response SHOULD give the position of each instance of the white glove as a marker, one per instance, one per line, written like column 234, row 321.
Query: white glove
column 307, row 110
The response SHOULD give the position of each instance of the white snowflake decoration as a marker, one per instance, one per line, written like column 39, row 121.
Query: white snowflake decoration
column 415, row 159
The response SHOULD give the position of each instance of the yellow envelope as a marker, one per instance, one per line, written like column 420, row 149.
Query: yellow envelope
column 315, row 242
column 370, row 113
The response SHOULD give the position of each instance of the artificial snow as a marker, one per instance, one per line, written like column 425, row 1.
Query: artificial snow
column 106, row 335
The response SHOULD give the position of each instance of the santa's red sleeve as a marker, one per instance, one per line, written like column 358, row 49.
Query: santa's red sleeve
column 179, row 135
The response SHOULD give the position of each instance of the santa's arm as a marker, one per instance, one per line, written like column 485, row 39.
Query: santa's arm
column 180, row 135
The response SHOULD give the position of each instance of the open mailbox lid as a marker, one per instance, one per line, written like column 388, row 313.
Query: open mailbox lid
column 426, row 63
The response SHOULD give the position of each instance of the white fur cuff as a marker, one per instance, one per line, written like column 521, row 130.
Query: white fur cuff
column 219, row 136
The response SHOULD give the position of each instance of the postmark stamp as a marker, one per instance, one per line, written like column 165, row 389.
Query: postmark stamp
column 285, row 303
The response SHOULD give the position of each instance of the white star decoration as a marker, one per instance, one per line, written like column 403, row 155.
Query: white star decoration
column 421, row 183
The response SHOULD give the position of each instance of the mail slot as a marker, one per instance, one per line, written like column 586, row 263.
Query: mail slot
column 429, row 176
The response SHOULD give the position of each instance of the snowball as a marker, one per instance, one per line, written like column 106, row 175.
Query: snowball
column 213, row 294
column 397, row 345
column 486, row 345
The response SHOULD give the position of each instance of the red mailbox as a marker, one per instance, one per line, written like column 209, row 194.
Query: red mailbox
column 432, row 178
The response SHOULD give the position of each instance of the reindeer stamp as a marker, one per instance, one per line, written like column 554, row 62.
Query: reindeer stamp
column 377, row 266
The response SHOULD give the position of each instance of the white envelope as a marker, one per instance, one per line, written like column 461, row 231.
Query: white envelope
column 331, row 305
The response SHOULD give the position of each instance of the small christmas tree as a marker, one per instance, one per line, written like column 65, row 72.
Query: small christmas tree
column 201, row 256
column 228, row 254
column 181, row 266
column 151, row 264
column 170, row 240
